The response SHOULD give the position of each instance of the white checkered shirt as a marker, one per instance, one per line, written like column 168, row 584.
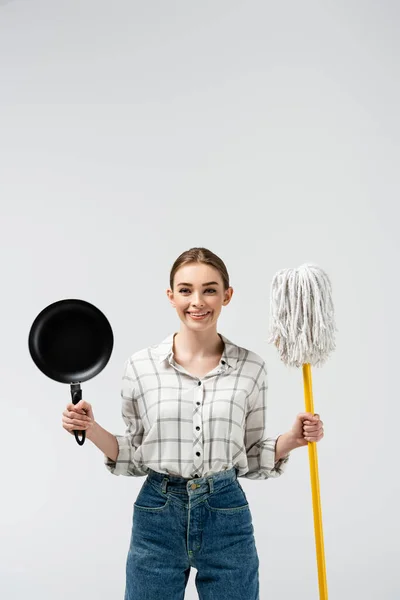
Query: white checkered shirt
column 182, row 425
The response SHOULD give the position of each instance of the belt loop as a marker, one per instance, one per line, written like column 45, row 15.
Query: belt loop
column 211, row 484
column 164, row 485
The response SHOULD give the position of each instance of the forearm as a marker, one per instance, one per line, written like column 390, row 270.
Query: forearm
column 104, row 440
column 285, row 444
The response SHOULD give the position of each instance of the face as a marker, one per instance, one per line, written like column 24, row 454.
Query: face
column 198, row 288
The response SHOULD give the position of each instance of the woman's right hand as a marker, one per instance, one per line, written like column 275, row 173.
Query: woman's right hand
column 78, row 417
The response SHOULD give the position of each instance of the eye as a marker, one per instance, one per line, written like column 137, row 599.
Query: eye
column 187, row 290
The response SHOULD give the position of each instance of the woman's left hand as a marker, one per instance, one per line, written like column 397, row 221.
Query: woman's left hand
column 307, row 428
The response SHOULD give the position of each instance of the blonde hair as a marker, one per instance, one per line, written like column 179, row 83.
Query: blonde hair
column 200, row 255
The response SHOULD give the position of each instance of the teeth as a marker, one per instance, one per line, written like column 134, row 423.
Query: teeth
column 198, row 314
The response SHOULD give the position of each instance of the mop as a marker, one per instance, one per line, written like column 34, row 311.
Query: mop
column 302, row 327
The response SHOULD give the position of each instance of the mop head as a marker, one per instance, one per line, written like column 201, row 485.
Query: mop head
column 302, row 324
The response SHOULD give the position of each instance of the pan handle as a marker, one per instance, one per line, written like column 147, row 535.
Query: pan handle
column 76, row 394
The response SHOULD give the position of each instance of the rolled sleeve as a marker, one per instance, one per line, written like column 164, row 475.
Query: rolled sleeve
column 128, row 461
column 261, row 449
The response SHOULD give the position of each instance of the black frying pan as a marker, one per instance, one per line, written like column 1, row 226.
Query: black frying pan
column 71, row 341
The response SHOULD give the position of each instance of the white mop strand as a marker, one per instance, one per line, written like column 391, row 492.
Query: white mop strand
column 302, row 323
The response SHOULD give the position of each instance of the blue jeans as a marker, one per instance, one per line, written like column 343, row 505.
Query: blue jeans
column 203, row 523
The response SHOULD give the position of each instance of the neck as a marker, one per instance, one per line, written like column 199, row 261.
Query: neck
column 197, row 344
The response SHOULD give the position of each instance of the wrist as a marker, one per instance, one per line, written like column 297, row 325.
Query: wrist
column 292, row 440
column 285, row 443
column 91, row 433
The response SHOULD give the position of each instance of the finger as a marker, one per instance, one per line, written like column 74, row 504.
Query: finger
column 312, row 434
column 68, row 428
column 78, row 410
column 73, row 414
column 73, row 408
column 75, row 417
column 305, row 415
column 315, row 424
column 72, row 428
column 77, row 423
column 310, row 418
column 310, row 428
column 82, row 404
column 314, row 437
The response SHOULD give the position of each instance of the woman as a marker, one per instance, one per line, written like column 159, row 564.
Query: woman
column 195, row 410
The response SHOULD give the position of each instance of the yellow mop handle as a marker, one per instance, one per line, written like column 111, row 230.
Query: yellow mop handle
column 312, row 454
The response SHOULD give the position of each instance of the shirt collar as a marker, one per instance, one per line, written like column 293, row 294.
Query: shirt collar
column 229, row 358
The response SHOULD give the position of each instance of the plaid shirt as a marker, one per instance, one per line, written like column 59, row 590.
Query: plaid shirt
column 182, row 425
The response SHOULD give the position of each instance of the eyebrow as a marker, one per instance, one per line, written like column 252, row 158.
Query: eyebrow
column 208, row 283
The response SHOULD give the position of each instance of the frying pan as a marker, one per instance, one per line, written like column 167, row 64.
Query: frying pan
column 71, row 341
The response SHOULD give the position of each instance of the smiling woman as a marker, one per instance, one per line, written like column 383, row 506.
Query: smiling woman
column 195, row 410
column 199, row 288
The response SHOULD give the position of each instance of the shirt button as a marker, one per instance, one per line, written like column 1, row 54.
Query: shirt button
column 197, row 402
column 199, row 383
column 197, row 427
column 196, row 475
column 223, row 362
column 197, row 453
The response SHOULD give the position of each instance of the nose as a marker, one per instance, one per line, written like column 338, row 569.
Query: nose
column 197, row 302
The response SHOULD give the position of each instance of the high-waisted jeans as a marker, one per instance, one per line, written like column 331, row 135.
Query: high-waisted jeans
column 203, row 523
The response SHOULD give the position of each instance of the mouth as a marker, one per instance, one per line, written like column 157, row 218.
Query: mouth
column 199, row 316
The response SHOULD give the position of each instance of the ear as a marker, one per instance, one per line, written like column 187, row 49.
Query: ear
column 228, row 295
column 170, row 295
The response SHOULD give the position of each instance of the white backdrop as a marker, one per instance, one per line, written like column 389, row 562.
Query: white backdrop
column 267, row 132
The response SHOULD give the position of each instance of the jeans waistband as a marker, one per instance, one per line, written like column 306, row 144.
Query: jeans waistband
column 210, row 483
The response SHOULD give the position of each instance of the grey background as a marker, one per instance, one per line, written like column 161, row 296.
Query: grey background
column 267, row 132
